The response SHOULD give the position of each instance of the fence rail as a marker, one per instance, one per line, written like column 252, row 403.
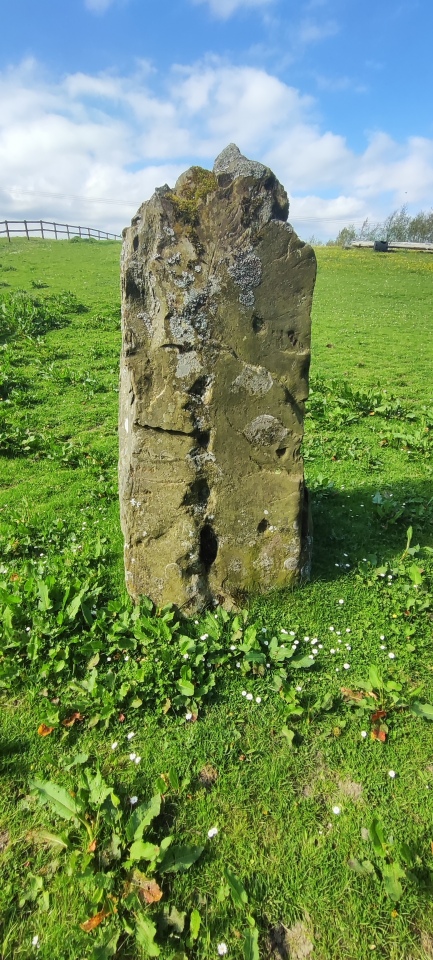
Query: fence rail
column 396, row 245
column 42, row 228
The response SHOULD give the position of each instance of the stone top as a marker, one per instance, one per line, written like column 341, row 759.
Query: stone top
column 231, row 161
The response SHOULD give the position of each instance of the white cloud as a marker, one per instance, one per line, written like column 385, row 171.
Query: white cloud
column 226, row 8
column 313, row 31
column 90, row 148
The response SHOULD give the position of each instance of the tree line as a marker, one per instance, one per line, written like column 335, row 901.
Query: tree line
column 399, row 226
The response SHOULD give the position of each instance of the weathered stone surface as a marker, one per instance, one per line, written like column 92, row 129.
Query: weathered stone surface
column 217, row 292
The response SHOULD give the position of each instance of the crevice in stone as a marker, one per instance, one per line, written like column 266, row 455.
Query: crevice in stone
column 208, row 546
column 171, row 433
column 262, row 526
column 198, row 493
column 257, row 323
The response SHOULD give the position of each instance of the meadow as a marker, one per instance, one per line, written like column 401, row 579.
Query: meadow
column 258, row 785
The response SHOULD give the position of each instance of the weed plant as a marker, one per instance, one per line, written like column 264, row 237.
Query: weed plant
column 257, row 785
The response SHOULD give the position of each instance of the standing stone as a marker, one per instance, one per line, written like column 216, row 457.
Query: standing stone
column 217, row 292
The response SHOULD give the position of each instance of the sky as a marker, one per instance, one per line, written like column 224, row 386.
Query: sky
column 101, row 101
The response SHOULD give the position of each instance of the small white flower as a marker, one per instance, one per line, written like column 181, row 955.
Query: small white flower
column 212, row 832
column 232, row 647
column 320, row 646
column 391, row 773
column 130, row 735
column 114, row 745
column 341, row 601
column 266, row 643
column 391, row 656
column 268, row 664
column 337, row 669
column 346, row 666
column 338, row 634
column 299, row 689
column 264, row 629
column 381, row 637
column 35, row 942
column 249, row 696
column 315, row 650
column 336, row 810
column 283, row 631
column 307, row 638
column 258, row 699
column 332, row 628
column 222, row 947
column 266, row 513
column 126, row 659
column 27, row 629
column 382, row 646
column 186, row 656
column 347, row 629
column 347, row 645
column 133, row 801
column 244, row 693
column 238, row 665
column 293, row 646
column 332, row 650
column 363, row 734
column 292, row 633
column 310, row 656
column 188, row 716
column 108, row 658
column 137, row 760
column 132, row 756
column 204, row 636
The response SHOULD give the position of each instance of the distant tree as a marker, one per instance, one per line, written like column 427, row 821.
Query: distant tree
column 399, row 227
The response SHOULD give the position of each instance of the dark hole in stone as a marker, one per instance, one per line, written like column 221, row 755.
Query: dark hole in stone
column 198, row 493
column 257, row 323
column 203, row 437
column 135, row 243
column 281, row 451
column 262, row 526
column 199, row 387
column 292, row 337
column 131, row 286
column 208, row 545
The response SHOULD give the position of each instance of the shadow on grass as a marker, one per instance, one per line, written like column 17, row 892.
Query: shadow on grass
column 350, row 525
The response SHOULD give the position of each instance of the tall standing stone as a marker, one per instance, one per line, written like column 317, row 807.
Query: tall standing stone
column 217, row 291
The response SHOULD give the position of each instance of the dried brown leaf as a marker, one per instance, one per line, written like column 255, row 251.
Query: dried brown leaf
column 43, row 730
column 94, row 922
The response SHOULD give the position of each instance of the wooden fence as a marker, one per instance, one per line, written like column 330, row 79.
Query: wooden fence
column 44, row 229
column 396, row 245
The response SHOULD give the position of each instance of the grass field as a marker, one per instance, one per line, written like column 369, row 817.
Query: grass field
column 319, row 851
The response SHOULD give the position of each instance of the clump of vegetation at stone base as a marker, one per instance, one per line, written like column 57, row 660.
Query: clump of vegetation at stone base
column 202, row 183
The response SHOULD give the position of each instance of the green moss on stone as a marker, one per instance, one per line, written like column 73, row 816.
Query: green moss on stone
column 200, row 182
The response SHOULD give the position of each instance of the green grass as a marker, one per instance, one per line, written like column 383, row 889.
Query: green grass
column 368, row 447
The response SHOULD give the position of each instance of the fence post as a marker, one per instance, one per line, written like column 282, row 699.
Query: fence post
column 55, row 231
column 79, row 231
column 7, row 231
column 27, row 229
column 67, row 230
column 42, row 230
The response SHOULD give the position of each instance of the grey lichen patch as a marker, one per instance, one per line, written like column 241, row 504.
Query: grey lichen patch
column 246, row 271
column 230, row 160
column 187, row 364
column 265, row 430
column 256, row 381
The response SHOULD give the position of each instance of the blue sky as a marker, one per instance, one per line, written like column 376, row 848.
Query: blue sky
column 103, row 100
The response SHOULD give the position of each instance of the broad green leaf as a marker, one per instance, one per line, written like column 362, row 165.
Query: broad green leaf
column 57, row 798
column 98, row 789
column 175, row 919
column 174, row 779
column 179, row 859
column 238, row 893
column 364, row 869
column 251, row 944
column 194, row 924
column 377, row 837
column 302, row 662
column 75, row 604
column 288, row 734
column 52, row 839
column 186, row 688
column 145, row 932
column 142, row 817
column 415, row 574
column 255, row 656
column 424, row 710
column 140, row 850
column 44, row 597
column 107, row 950
column 392, row 873
column 374, row 677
